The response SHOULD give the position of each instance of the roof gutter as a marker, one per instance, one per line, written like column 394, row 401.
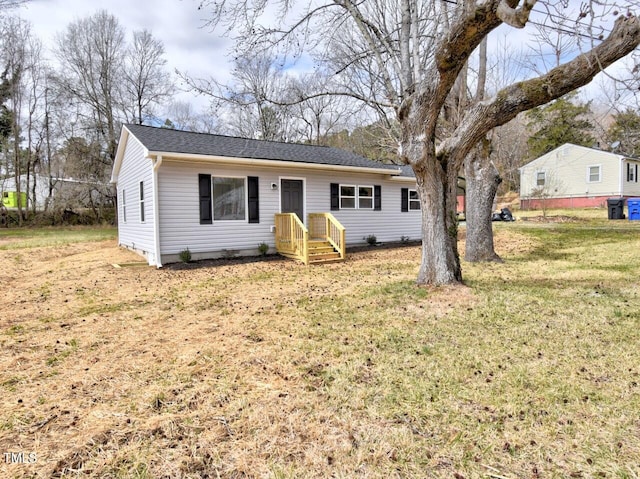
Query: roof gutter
column 272, row 163
column 405, row 179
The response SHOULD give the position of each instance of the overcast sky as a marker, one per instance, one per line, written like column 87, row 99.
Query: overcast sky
column 189, row 47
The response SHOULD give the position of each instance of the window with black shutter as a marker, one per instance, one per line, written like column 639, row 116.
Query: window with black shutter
column 353, row 197
column 632, row 173
column 253, row 197
column 377, row 197
column 404, row 199
column 204, row 188
column 335, row 196
column 142, row 202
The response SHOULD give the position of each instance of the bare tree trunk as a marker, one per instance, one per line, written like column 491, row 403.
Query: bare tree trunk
column 418, row 104
column 48, row 199
column 440, row 260
column 482, row 184
column 483, row 180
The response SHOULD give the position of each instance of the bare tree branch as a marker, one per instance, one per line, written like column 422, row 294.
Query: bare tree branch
column 525, row 95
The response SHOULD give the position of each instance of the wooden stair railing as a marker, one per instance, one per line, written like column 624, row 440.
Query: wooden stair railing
column 292, row 237
column 323, row 242
column 325, row 226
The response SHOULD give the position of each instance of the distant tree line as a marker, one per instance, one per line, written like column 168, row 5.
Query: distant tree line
column 59, row 123
column 61, row 120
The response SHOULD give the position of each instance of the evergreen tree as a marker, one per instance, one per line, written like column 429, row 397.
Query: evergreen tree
column 6, row 119
column 557, row 123
column 626, row 132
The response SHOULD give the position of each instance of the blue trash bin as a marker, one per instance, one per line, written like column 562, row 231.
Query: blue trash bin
column 633, row 205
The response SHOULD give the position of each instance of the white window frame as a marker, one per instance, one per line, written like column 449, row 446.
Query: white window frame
column 213, row 199
column 371, row 198
column 414, row 203
column 124, row 206
column 589, row 180
column 544, row 178
column 141, row 187
column 354, row 197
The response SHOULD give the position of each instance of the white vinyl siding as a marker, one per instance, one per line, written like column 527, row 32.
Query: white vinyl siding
column 136, row 231
column 631, row 187
column 180, row 226
column 568, row 173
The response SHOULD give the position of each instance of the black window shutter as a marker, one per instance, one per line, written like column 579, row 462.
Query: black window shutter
column 377, row 197
column 404, row 195
column 335, row 196
column 204, row 188
column 636, row 177
column 628, row 171
column 252, row 194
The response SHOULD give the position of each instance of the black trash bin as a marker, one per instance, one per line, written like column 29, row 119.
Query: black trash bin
column 616, row 208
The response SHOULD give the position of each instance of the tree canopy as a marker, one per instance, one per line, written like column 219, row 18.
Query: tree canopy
column 402, row 59
column 623, row 135
column 559, row 122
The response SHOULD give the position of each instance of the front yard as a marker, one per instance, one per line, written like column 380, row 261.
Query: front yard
column 274, row 369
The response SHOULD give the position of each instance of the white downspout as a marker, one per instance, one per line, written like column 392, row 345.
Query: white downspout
column 156, row 211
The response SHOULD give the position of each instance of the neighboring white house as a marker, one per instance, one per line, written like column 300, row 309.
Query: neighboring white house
column 574, row 176
column 214, row 194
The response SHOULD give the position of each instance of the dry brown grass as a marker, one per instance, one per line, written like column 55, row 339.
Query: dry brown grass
column 274, row 369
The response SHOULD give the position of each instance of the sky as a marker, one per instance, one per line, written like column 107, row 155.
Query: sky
column 189, row 47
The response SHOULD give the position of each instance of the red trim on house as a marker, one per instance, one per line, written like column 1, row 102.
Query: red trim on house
column 566, row 203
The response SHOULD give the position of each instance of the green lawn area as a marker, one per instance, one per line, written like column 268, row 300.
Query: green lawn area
column 273, row 369
column 31, row 237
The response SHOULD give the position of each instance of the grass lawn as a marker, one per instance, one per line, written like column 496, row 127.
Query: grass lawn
column 273, row 369
column 18, row 238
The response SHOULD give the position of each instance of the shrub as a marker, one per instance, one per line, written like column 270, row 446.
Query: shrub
column 185, row 255
column 263, row 248
column 372, row 240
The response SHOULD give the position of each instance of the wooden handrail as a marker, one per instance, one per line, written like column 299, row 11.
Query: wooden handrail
column 292, row 236
column 326, row 226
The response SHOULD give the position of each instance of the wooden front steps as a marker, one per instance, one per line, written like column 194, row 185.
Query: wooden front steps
column 321, row 251
column 323, row 242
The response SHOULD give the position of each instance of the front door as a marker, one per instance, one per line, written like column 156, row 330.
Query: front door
column 292, row 198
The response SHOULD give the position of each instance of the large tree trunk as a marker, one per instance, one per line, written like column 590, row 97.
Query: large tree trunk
column 440, row 261
column 483, row 180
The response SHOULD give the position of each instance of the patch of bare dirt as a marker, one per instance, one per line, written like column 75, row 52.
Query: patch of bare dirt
column 110, row 372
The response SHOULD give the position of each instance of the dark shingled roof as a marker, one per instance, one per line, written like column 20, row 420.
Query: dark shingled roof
column 406, row 171
column 165, row 140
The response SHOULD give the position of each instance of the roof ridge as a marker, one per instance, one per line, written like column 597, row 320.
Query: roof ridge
column 157, row 139
column 135, row 125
